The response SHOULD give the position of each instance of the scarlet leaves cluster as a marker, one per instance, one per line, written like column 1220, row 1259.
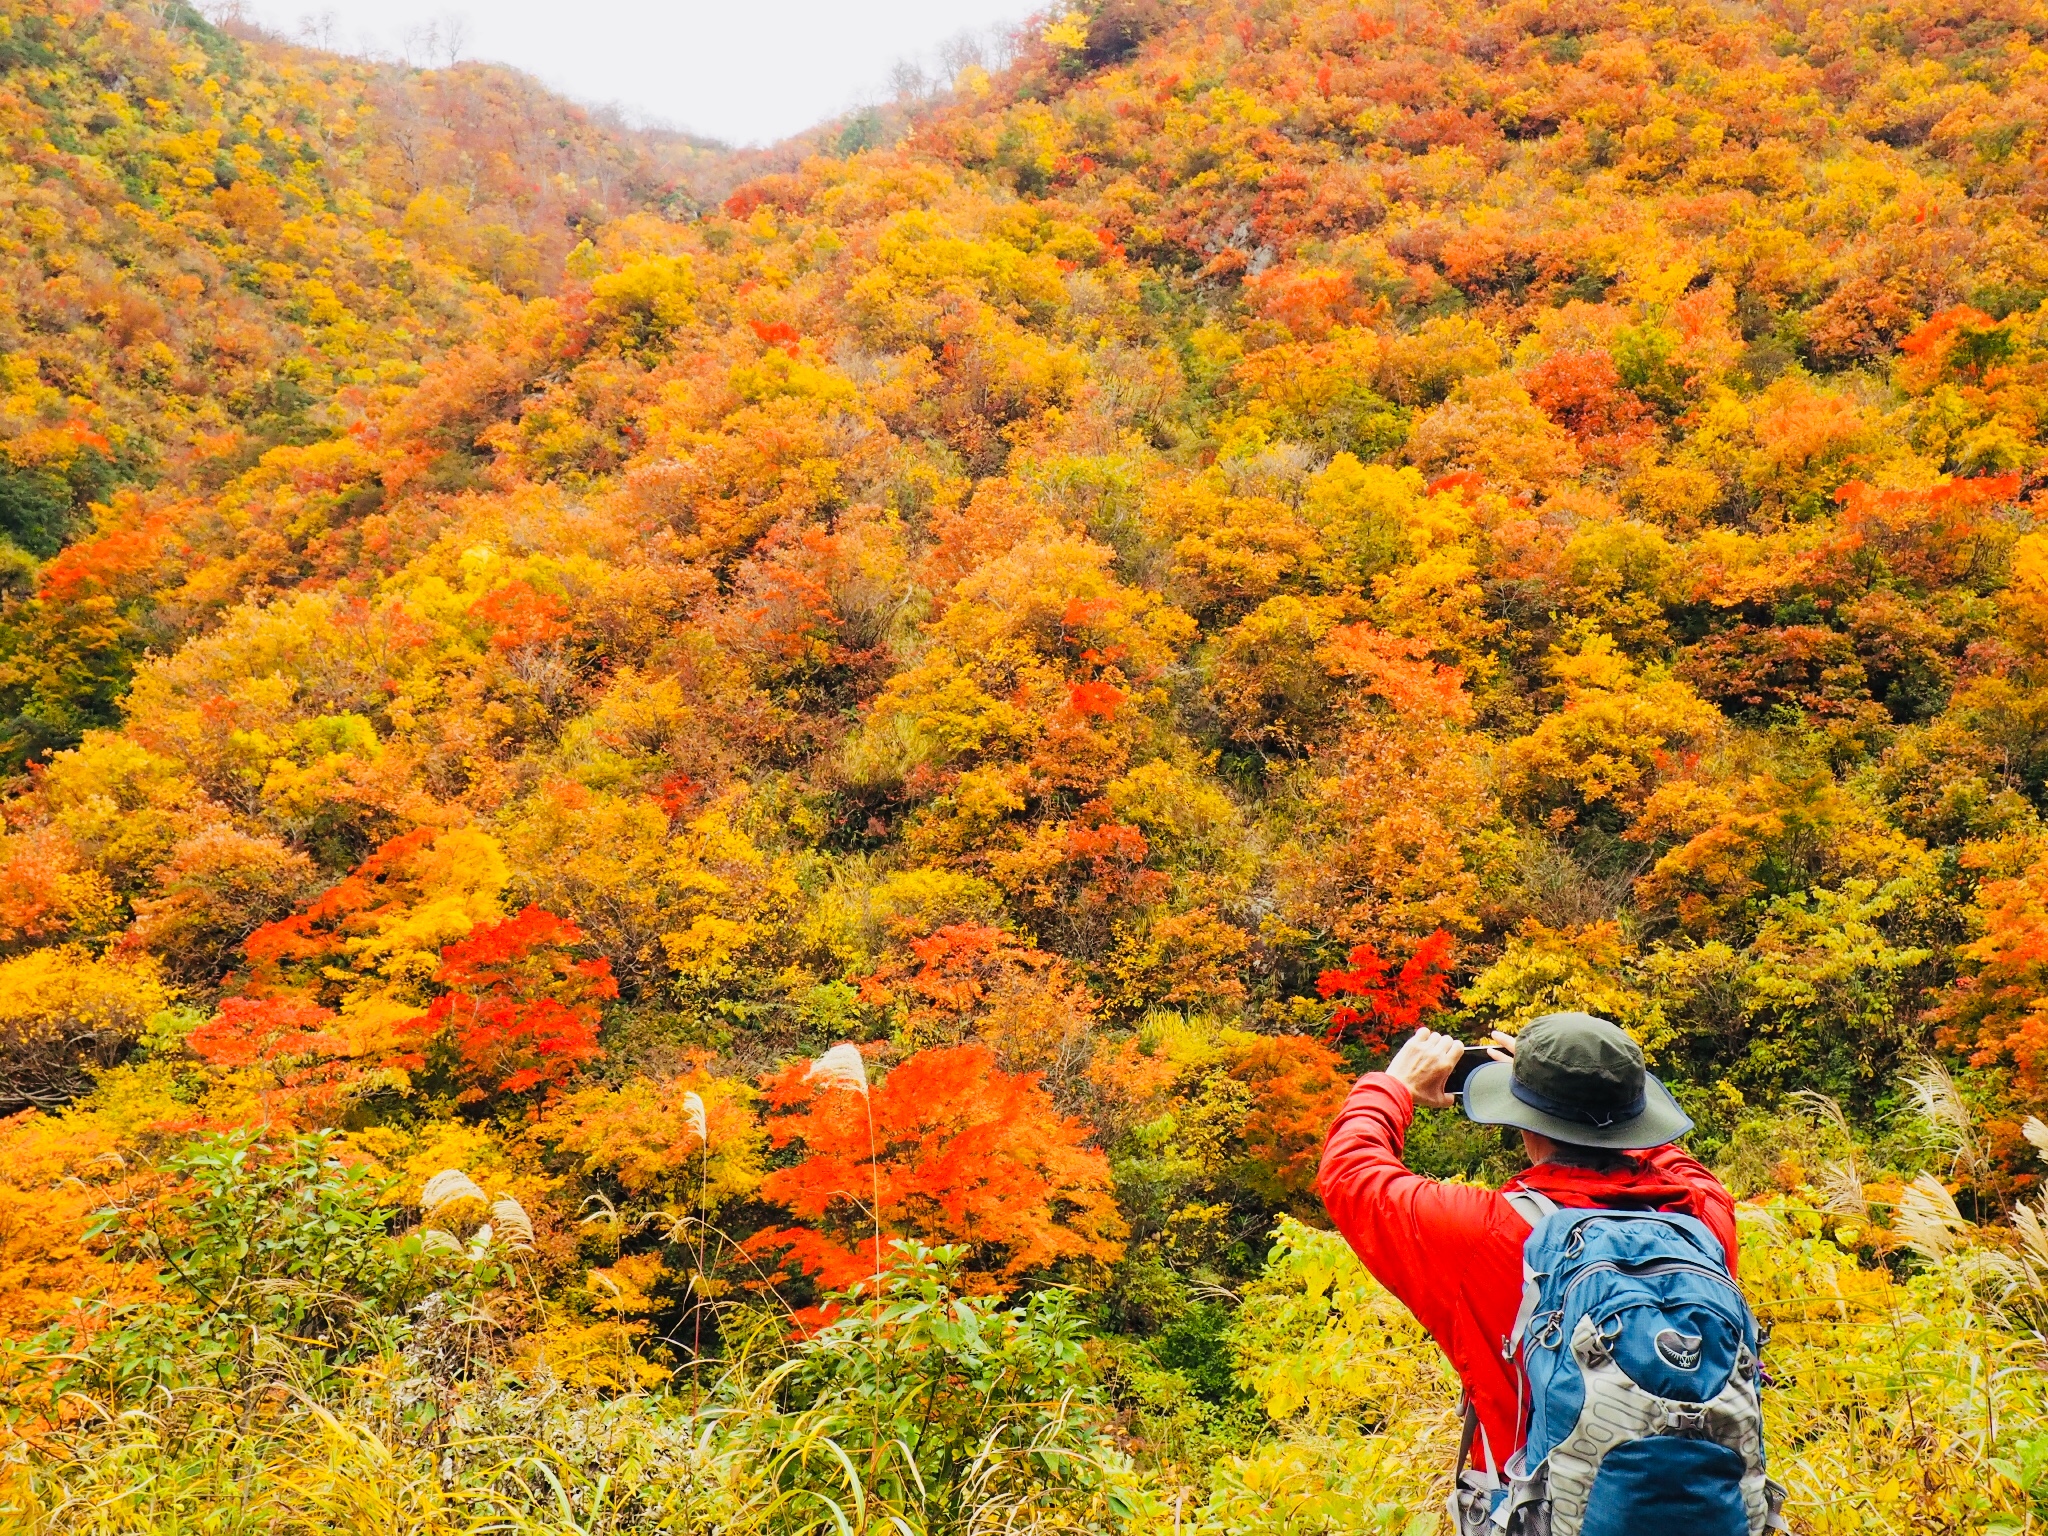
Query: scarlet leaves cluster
column 330, row 1001
column 521, row 1011
column 1095, row 698
column 1385, row 999
column 300, row 1049
column 517, row 616
column 308, row 950
column 272, row 1031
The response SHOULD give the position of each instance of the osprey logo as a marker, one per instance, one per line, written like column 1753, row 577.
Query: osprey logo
column 1682, row 1350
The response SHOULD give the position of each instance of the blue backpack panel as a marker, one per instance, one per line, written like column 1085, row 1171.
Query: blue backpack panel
column 1639, row 1363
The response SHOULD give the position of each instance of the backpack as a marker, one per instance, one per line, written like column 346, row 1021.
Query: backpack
column 1639, row 1375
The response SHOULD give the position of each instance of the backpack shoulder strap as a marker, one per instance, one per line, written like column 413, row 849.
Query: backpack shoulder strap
column 1533, row 1206
column 1482, row 1475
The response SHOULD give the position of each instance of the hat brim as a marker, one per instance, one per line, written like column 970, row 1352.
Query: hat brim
column 1490, row 1100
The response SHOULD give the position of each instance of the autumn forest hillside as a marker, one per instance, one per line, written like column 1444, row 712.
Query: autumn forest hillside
column 215, row 249
column 1112, row 592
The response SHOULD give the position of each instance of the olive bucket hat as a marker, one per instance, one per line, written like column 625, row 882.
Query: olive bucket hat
column 1576, row 1079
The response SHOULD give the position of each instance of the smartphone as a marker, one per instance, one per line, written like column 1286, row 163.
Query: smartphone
column 1474, row 1055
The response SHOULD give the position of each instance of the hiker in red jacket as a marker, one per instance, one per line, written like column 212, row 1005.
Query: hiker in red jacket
column 1599, row 1131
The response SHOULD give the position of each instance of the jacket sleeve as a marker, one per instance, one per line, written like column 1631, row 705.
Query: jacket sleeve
column 1406, row 1229
column 1715, row 1205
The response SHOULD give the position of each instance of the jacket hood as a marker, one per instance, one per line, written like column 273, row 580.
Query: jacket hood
column 1633, row 1188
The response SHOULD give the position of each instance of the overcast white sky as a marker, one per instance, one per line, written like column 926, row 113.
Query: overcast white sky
column 746, row 71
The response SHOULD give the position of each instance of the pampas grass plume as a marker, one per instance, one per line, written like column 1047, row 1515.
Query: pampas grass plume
column 447, row 1187
column 840, row 1067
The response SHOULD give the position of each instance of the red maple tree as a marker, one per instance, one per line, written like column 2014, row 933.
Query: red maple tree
column 521, row 1011
column 520, row 616
column 1390, row 999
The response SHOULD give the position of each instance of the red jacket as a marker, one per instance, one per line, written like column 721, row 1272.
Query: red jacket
column 1452, row 1253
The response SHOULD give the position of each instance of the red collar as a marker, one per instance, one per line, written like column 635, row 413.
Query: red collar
column 1635, row 1187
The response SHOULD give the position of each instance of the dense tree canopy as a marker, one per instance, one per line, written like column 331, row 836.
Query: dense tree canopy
column 1253, row 524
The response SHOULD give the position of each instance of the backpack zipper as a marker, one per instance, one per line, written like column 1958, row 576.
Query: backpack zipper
column 1620, row 1267
column 1645, row 1267
column 1616, row 1266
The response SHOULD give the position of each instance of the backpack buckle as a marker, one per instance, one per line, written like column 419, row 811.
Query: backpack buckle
column 1687, row 1421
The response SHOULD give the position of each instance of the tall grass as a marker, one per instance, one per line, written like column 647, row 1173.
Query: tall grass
column 302, row 1370
column 1906, row 1354
column 766, row 1450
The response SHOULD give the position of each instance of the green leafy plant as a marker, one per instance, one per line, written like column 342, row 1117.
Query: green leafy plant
column 247, row 1241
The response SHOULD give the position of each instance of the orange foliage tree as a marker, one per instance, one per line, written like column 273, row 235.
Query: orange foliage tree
column 948, row 971
column 1297, row 1085
column 953, row 974
column 296, row 1047
column 1999, row 1012
column 378, row 922
column 964, row 1153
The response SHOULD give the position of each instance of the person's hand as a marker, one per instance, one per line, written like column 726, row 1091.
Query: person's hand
column 1500, row 1045
column 1423, row 1065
